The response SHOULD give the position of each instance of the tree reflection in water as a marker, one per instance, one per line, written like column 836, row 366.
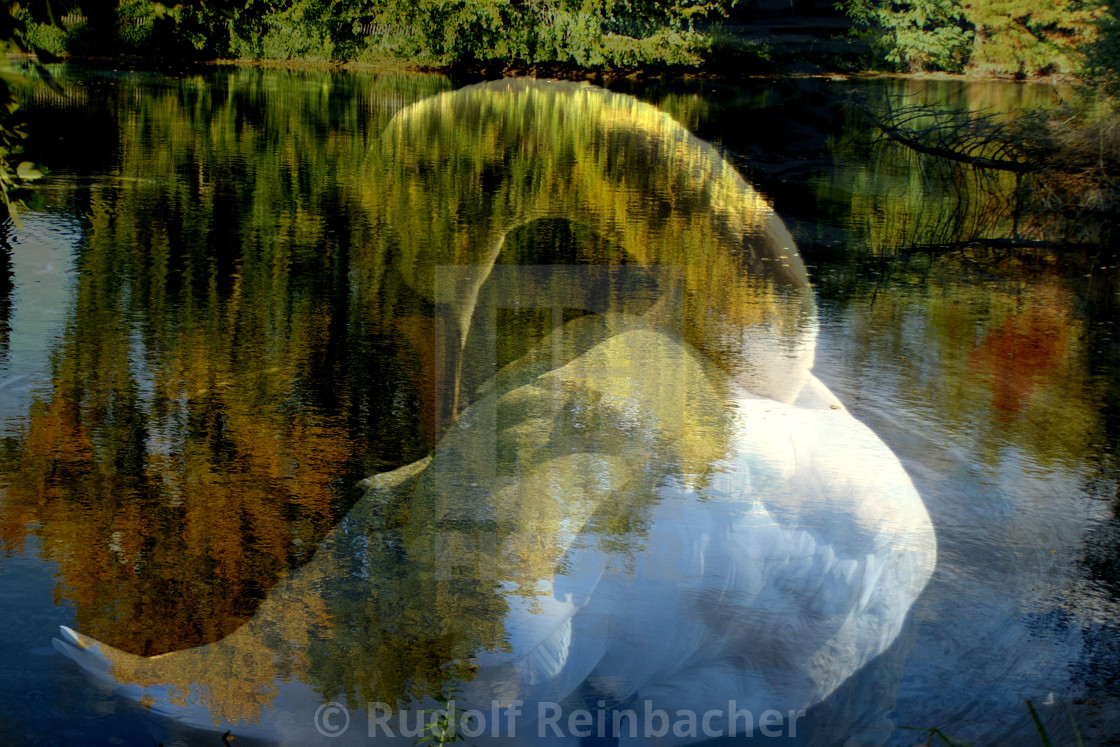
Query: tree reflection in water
column 662, row 505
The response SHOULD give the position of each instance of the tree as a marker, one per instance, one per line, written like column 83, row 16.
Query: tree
column 1103, row 55
column 1014, row 37
column 1030, row 38
column 917, row 35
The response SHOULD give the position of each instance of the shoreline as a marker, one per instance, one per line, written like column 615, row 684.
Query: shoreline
column 555, row 72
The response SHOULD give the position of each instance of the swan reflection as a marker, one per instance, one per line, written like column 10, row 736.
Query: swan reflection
column 656, row 508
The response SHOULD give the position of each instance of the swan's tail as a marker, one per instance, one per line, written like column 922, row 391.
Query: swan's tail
column 96, row 658
column 171, row 710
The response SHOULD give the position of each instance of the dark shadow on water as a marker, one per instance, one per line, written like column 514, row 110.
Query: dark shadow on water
column 7, row 278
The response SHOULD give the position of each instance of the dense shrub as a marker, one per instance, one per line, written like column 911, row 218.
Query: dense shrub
column 436, row 33
column 46, row 37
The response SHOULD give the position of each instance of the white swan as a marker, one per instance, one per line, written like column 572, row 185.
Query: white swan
column 766, row 580
column 616, row 524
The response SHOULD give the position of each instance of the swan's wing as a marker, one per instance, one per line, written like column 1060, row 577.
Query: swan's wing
column 793, row 566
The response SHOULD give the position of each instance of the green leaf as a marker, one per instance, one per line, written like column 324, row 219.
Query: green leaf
column 29, row 171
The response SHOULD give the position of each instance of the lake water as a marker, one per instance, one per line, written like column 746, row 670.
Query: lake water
column 251, row 289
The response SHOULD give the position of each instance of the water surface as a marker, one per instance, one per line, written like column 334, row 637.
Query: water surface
column 210, row 337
